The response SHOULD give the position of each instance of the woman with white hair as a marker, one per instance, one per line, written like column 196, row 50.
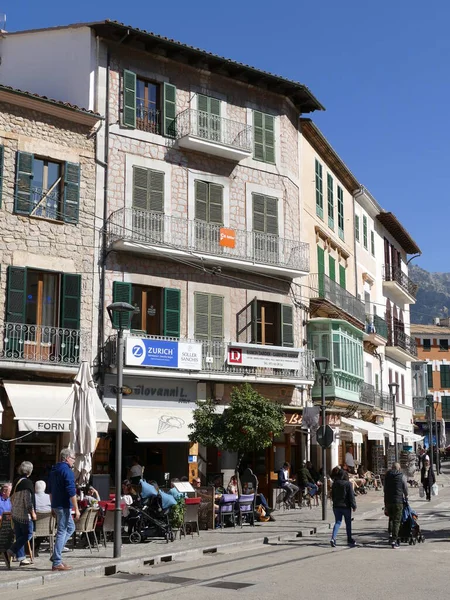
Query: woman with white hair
column 23, row 512
column 43, row 502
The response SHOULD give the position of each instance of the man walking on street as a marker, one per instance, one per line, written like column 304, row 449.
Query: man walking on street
column 395, row 494
column 61, row 487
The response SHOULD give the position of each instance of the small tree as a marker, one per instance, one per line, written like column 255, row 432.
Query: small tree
column 248, row 423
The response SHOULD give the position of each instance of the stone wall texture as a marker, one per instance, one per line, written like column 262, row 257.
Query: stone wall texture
column 43, row 243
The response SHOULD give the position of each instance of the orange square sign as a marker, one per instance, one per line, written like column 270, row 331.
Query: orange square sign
column 227, row 237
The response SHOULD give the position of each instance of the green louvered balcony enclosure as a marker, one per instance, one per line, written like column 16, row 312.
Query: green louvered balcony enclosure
column 342, row 344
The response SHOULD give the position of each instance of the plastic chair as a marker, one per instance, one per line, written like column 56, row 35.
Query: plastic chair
column 227, row 505
column 45, row 528
column 246, row 507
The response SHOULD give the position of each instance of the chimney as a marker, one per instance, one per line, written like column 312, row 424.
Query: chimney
column 436, row 321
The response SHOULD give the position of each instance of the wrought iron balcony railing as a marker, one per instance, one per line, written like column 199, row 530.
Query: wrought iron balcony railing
column 147, row 119
column 214, row 360
column 41, row 344
column 367, row 393
column 397, row 337
column 383, row 401
column 324, row 287
column 375, row 324
column 213, row 128
column 393, row 273
column 153, row 228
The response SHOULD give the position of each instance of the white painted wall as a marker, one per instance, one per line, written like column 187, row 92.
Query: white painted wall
column 59, row 64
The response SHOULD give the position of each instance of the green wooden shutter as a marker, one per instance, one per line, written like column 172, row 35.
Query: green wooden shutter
column 319, row 189
column 269, row 138
column 70, row 301
column 140, row 188
column 330, row 196
column 430, row 376
column 357, row 228
column 365, row 231
column 156, row 187
column 271, row 215
column 71, row 205
column 202, row 103
column 2, row 154
column 340, row 195
column 258, row 135
column 121, row 293
column 22, row 198
column 321, row 270
column 215, row 204
column 70, row 318
column 129, row 99
column 259, row 209
column 201, row 318
column 16, row 295
column 170, row 109
column 254, row 321
column 216, row 317
column 287, row 325
column 264, row 136
column 332, row 268
column 201, row 200
column 172, row 312
column 342, row 276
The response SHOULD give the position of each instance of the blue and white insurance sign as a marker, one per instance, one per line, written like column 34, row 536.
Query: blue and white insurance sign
column 144, row 352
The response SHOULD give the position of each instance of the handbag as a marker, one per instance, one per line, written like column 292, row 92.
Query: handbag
column 434, row 489
column 421, row 492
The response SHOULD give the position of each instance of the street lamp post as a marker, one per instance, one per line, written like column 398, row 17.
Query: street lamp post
column 322, row 366
column 393, row 388
column 430, row 427
column 123, row 311
column 436, row 406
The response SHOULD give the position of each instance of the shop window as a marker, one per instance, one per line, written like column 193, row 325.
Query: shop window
column 158, row 309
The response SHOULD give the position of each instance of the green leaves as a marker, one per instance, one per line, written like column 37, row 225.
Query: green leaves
column 248, row 423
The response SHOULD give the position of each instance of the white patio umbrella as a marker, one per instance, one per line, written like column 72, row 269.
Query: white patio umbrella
column 83, row 428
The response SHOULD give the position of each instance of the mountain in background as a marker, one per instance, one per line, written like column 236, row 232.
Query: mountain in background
column 433, row 297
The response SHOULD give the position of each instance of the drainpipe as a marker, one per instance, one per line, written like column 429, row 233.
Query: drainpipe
column 104, row 253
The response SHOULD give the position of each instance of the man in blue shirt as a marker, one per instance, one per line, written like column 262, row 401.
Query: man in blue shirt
column 5, row 502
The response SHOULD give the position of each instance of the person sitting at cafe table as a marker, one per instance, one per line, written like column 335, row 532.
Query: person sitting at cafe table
column 232, row 487
column 196, row 482
column 5, row 501
column 92, row 496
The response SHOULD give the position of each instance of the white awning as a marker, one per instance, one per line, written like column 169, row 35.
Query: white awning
column 47, row 406
column 373, row 431
column 158, row 424
column 411, row 437
column 351, row 435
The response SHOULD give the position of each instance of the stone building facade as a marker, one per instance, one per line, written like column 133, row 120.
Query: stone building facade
column 47, row 267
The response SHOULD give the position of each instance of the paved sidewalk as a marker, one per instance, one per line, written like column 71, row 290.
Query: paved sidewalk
column 288, row 524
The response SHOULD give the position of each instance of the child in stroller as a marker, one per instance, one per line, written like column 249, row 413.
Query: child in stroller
column 150, row 515
column 409, row 531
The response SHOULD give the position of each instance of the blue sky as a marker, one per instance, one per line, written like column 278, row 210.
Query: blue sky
column 381, row 70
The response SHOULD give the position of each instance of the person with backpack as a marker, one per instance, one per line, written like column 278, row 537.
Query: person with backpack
column 344, row 503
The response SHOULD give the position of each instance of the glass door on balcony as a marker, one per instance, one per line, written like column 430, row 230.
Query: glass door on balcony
column 208, row 120
column 46, row 189
column 149, row 302
column 208, row 216
column 147, row 106
column 265, row 229
column 148, row 205
column 41, row 313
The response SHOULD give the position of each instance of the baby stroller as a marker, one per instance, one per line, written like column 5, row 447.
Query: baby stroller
column 150, row 516
column 409, row 528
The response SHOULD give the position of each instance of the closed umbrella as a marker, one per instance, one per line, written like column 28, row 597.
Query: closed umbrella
column 83, row 429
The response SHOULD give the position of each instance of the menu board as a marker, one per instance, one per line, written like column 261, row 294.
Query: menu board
column 6, row 532
column 206, row 508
